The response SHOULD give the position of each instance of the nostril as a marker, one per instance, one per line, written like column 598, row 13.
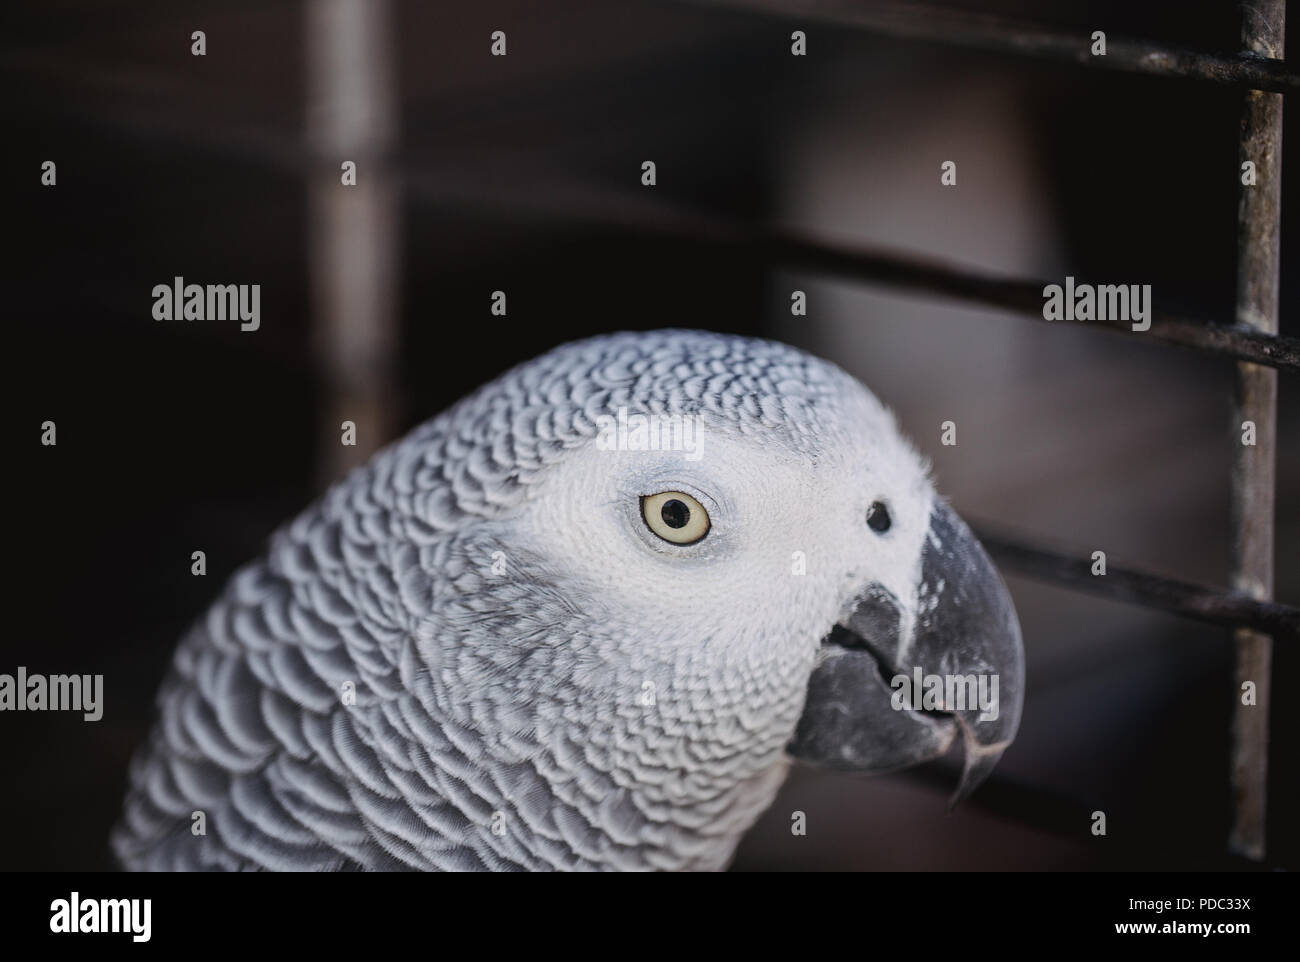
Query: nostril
column 878, row 519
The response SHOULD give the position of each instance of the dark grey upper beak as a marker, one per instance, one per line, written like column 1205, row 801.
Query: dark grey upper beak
column 900, row 678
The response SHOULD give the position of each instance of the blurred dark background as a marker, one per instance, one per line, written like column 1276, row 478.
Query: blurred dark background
column 522, row 174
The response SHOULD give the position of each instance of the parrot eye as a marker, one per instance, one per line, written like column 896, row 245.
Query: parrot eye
column 878, row 518
column 675, row 516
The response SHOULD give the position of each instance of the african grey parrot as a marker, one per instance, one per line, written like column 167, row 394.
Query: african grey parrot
column 504, row 644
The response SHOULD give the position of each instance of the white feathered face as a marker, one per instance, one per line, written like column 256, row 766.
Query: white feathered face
column 799, row 580
column 742, row 544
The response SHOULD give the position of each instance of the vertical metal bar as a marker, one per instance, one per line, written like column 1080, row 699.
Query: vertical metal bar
column 354, row 243
column 1253, row 472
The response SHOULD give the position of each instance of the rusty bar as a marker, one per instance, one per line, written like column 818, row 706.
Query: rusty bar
column 579, row 204
column 1074, row 570
column 907, row 272
column 942, row 25
column 1254, row 479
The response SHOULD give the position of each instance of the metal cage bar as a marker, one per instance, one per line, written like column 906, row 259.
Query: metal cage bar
column 1254, row 478
column 890, row 268
column 1233, row 608
column 1240, row 341
column 941, row 25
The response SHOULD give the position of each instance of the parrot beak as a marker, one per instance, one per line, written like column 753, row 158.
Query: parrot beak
column 895, row 684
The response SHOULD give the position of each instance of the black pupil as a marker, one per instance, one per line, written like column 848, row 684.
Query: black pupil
column 878, row 518
column 675, row 514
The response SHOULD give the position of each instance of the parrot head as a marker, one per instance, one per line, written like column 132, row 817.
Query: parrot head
column 721, row 556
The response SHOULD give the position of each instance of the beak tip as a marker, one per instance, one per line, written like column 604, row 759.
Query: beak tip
column 978, row 763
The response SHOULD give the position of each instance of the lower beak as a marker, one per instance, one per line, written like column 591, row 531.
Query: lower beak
column 899, row 679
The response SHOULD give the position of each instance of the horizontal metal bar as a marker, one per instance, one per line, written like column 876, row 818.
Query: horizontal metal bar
column 943, row 25
column 615, row 210
column 1026, row 298
column 1217, row 606
column 578, row 203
